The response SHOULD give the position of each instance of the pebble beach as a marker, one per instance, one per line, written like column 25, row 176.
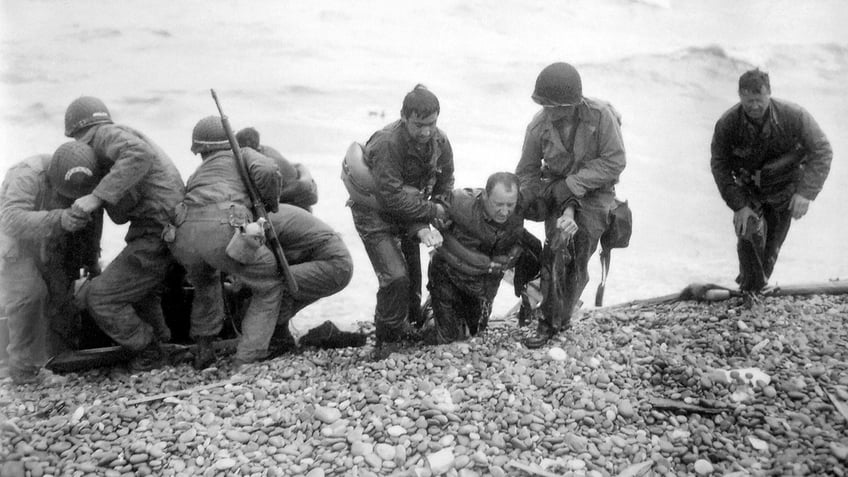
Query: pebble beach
column 678, row 388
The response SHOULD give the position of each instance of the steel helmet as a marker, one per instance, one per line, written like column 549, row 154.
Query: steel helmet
column 209, row 135
column 83, row 112
column 558, row 84
column 73, row 171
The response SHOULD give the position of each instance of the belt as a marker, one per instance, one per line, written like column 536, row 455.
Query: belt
column 222, row 212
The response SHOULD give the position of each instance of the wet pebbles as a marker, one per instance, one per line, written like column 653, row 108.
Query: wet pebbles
column 758, row 388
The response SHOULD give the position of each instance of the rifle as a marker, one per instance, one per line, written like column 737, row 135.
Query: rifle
column 256, row 203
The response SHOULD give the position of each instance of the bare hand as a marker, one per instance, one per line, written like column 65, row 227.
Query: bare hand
column 799, row 205
column 430, row 237
column 73, row 220
column 88, row 203
column 566, row 224
column 741, row 218
column 442, row 219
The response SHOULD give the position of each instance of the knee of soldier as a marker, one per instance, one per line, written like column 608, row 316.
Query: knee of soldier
column 394, row 281
column 96, row 297
column 17, row 298
column 344, row 271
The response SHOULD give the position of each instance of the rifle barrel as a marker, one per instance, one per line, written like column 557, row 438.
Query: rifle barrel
column 257, row 205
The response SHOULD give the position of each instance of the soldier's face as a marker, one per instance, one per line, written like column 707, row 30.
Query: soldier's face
column 555, row 113
column 500, row 203
column 421, row 129
column 755, row 104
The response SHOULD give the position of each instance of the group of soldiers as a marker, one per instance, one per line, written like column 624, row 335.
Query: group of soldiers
column 769, row 160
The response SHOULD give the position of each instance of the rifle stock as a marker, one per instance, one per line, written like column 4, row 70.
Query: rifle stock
column 256, row 203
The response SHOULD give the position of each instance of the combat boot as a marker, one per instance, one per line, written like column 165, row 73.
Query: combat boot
column 28, row 375
column 383, row 350
column 538, row 340
column 151, row 357
column 204, row 353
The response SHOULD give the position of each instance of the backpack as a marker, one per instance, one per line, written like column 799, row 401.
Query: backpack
column 617, row 235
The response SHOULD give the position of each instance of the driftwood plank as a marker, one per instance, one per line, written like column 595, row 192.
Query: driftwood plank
column 96, row 357
column 531, row 469
column 663, row 403
column 180, row 392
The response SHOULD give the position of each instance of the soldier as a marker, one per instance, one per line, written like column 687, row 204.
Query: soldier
column 43, row 245
column 572, row 156
column 214, row 212
column 769, row 160
column 483, row 240
column 411, row 161
column 298, row 186
column 140, row 186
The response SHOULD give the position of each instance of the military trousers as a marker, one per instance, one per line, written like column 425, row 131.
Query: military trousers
column 565, row 264
column 396, row 259
column 200, row 246
column 125, row 300
column 461, row 304
column 23, row 294
column 758, row 250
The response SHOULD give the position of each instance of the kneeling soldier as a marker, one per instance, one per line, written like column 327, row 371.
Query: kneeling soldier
column 483, row 239
column 214, row 213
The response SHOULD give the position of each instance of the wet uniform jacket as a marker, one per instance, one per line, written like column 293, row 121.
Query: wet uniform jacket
column 142, row 185
column 38, row 263
column 593, row 164
column 482, row 239
column 217, row 181
column 740, row 144
column 293, row 190
column 395, row 161
column 25, row 222
column 30, row 220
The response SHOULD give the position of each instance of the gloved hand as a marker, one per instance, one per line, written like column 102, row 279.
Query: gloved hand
column 799, row 205
column 742, row 219
column 73, row 219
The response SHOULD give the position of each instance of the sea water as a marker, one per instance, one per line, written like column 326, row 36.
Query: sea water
column 313, row 77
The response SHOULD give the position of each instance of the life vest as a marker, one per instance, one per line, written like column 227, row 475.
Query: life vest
column 358, row 180
column 357, row 177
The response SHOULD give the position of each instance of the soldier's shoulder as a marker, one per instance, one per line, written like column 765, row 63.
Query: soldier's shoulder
column 788, row 107
column 466, row 193
column 441, row 136
column 538, row 120
column 730, row 115
column 38, row 162
column 389, row 134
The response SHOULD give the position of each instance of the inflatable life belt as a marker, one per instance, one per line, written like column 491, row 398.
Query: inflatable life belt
column 357, row 177
column 358, row 180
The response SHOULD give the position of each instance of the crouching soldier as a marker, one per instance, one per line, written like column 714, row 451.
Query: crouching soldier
column 215, row 211
column 298, row 187
column 43, row 245
column 140, row 186
column 483, row 239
